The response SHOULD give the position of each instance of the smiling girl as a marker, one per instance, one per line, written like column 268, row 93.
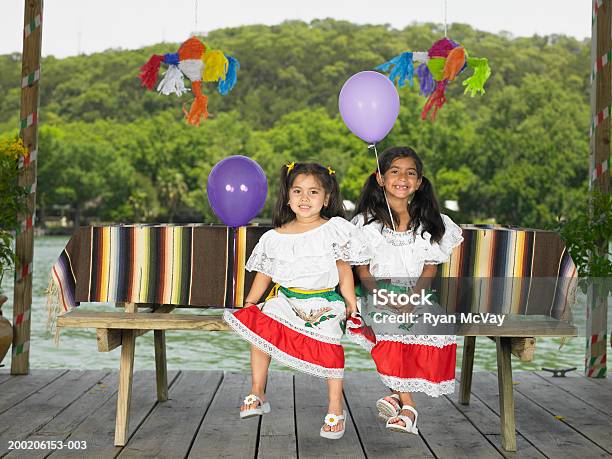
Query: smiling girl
column 406, row 246
column 307, row 255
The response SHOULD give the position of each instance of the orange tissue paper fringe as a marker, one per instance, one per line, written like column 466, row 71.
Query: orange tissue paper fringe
column 191, row 49
column 149, row 71
column 198, row 108
column 454, row 63
column 435, row 101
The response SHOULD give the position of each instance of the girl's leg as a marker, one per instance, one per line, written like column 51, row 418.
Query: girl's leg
column 260, row 361
column 334, row 389
column 405, row 399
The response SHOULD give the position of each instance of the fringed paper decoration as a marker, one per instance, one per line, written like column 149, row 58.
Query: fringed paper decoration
column 444, row 61
column 402, row 69
column 215, row 66
column 172, row 82
column 194, row 62
column 149, row 71
column 228, row 83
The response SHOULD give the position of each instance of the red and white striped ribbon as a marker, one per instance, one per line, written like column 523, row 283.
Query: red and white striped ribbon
column 23, row 272
column 24, row 161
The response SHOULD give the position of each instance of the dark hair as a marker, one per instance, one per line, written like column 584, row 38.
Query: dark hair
column 282, row 212
column 423, row 208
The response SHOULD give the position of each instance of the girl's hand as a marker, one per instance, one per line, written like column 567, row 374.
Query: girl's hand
column 350, row 310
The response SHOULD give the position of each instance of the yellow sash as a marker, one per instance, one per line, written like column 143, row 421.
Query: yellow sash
column 274, row 292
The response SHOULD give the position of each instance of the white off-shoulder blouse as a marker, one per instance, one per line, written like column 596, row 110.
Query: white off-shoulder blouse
column 308, row 260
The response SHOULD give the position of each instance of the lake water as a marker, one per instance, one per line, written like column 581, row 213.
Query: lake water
column 224, row 350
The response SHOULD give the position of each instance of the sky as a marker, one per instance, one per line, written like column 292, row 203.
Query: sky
column 73, row 27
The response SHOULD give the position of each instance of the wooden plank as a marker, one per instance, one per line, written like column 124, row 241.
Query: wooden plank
column 361, row 390
column 487, row 423
column 277, row 437
column 573, row 411
column 506, row 400
column 171, row 426
column 60, row 427
column 18, row 388
column 152, row 321
column 98, row 429
column 594, row 392
column 35, row 411
column 447, row 432
column 223, row 433
column 310, row 410
column 5, row 376
column 111, row 339
column 523, row 327
column 551, row 437
column 161, row 370
column 467, row 368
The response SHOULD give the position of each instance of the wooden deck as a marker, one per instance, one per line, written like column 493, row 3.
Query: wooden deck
column 567, row 417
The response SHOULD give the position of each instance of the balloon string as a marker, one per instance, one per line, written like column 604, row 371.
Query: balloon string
column 445, row 7
column 373, row 146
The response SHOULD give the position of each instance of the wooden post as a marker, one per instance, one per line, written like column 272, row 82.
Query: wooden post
column 506, row 397
column 161, row 368
column 467, row 367
column 24, row 241
column 126, row 372
column 599, row 172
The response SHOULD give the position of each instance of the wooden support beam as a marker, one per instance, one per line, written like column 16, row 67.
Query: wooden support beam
column 161, row 369
column 111, row 339
column 599, row 175
column 506, row 397
column 522, row 348
column 24, row 240
column 126, row 373
column 467, row 367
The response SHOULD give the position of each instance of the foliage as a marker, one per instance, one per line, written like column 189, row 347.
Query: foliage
column 583, row 237
column 11, row 198
column 112, row 151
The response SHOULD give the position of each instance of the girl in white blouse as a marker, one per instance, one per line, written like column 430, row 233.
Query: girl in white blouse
column 405, row 252
column 307, row 255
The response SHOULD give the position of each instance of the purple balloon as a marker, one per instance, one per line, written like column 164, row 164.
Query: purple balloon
column 237, row 189
column 369, row 105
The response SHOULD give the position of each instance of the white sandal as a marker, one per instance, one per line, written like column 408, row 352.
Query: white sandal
column 263, row 408
column 386, row 409
column 332, row 420
column 409, row 427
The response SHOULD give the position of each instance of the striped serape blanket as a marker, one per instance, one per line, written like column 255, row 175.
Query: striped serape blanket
column 187, row 265
column 495, row 269
column 509, row 270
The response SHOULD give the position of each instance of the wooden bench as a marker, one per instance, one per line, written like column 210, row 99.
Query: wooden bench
column 116, row 329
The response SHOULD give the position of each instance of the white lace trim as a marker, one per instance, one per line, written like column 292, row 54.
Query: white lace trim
column 360, row 340
column 282, row 357
column 418, row 385
column 399, row 238
column 427, row 340
column 351, row 254
column 304, row 331
column 259, row 261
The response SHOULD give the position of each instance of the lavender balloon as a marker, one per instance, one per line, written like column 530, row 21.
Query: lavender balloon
column 237, row 189
column 369, row 105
